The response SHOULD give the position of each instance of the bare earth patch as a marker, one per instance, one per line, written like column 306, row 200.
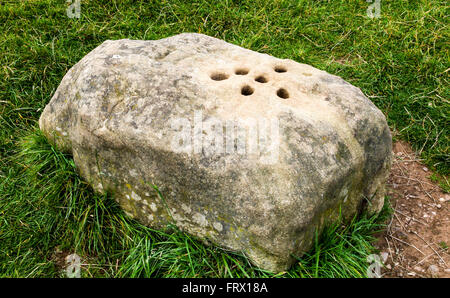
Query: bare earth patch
column 416, row 240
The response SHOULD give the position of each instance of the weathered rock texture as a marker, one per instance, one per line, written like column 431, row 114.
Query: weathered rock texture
column 114, row 112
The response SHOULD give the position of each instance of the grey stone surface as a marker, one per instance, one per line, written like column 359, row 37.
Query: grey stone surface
column 118, row 110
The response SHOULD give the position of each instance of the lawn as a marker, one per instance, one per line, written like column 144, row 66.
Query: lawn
column 399, row 60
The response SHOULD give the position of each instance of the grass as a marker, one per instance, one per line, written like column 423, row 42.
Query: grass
column 399, row 60
column 48, row 208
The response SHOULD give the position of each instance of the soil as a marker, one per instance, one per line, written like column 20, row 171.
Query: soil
column 417, row 239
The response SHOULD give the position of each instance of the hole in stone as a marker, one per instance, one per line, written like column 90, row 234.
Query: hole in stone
column 282, row 93
column 247, row 90
column 218, row 76
column 261, row 79
column 280, row 69
column 241, row 71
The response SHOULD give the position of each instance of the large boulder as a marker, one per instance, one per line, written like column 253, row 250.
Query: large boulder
column 249, row 152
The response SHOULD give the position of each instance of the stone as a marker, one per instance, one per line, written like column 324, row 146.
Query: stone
column 240, row 149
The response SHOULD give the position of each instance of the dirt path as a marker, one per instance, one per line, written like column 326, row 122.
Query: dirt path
column 416, row 242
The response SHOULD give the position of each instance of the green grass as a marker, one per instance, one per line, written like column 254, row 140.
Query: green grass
column 400, row 60
column 47, row 208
